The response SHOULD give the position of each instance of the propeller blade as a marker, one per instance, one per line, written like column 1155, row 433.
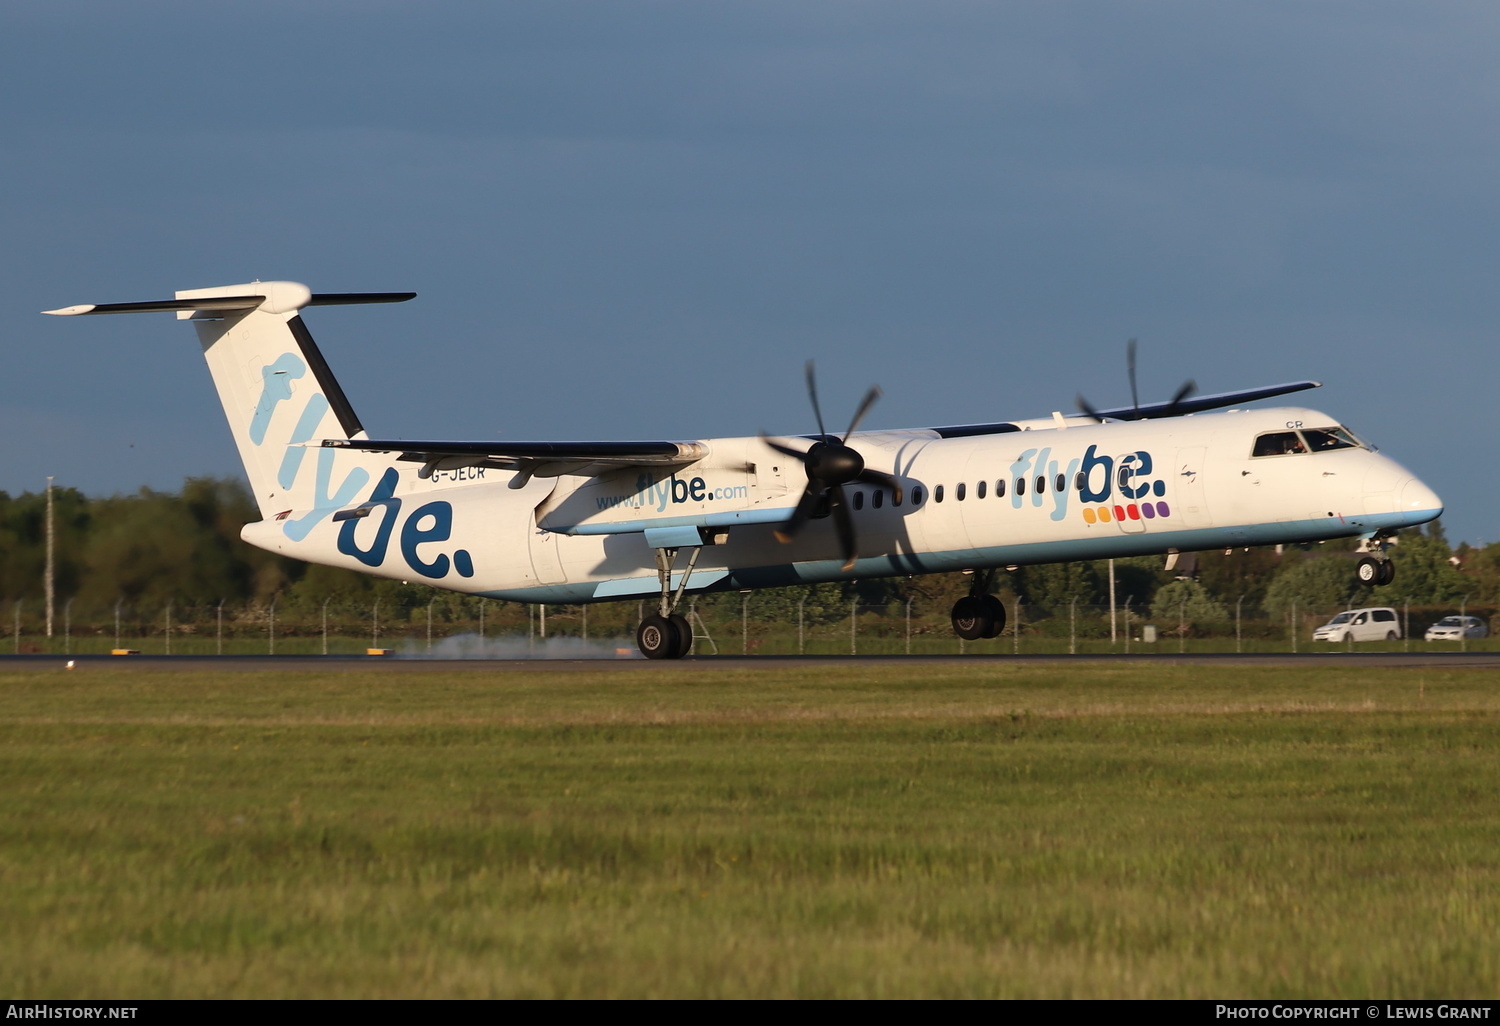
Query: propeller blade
column 864, row 408
column 844, row 523
column 812, row 393
column 805, row 506
column 800, row 454
column 1087, row 409
column 1135, row 399
column 1188, row 388
column 882, row 480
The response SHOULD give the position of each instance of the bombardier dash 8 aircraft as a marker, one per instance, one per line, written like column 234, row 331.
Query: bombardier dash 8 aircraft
column 573, row 522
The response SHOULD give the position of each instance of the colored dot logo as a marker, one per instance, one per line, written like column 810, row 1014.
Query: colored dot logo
column 1145, row 510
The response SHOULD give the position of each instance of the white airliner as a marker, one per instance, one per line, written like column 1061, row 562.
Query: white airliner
column 573, row 522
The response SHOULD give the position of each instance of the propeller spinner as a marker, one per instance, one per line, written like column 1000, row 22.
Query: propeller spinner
column 830, row 464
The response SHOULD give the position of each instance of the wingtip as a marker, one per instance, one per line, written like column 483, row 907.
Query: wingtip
column 70, row 311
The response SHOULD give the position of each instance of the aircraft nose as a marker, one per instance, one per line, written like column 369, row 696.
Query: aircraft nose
column 1416, row 497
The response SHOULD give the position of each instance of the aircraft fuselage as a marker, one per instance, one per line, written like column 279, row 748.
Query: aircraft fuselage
column 1042, row 495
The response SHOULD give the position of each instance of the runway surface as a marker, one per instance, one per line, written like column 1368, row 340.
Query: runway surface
column 768, row 663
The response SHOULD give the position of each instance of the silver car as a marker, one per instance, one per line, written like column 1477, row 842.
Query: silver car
column 1457, row 628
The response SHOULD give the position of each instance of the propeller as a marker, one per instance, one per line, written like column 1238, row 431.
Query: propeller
column 830, row 464
column 1188, row 388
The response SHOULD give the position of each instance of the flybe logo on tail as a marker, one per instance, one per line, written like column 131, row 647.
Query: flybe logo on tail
column 276, row 388
column 429, row 523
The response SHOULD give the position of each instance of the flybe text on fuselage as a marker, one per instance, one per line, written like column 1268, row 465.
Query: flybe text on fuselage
column 1108, row 487
column 651, row 493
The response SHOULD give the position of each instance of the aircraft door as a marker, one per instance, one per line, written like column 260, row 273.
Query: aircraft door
column 1133, row 487
column 546, row 557
column 545, row 548
column 1186, row 495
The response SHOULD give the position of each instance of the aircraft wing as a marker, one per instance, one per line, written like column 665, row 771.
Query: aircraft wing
column 1198, row 404
column 534, row 459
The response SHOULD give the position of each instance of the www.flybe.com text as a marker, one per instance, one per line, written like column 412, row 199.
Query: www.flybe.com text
column 651, row 492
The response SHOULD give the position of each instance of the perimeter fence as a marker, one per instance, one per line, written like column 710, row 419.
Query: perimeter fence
column 760, row 623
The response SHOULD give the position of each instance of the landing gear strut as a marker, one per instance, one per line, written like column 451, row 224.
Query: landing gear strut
column 666, row 634
column 979, row 614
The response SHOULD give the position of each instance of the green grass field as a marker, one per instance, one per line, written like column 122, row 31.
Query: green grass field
column 691, row 830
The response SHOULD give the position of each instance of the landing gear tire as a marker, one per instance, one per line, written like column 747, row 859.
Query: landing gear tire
column 971, row 618
column 1387, row 572
column 658, row 638
column 684, row 635
column 1368, row 572
column 995, row 610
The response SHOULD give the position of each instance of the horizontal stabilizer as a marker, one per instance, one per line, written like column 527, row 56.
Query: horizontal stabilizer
column 227, row 303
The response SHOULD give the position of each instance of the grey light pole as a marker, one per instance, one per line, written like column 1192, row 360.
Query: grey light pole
column 51, row 563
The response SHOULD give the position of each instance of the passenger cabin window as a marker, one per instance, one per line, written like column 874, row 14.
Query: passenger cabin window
column 896, row 496
column 960, row 490
column 1280, row 443
column 859, row 500
column 1020, row 486
column 916, row 495
column 1041, row 484
column 1062, row 482
column 1000, row 488
column 1078, row 481
column 979, row 489
column 877, row 498
column 937, row 493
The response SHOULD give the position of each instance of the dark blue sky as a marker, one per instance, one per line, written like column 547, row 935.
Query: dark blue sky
column 633, row 220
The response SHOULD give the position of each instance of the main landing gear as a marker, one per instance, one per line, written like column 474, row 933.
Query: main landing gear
column 979, row 614
column 666, row 634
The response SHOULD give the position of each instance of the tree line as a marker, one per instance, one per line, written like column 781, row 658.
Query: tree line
column 152, row 548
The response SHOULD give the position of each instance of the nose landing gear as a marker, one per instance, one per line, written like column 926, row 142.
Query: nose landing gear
column 1375, row 572
column 1375, row 569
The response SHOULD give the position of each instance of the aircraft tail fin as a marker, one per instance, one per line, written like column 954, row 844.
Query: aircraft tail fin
column 277, row 391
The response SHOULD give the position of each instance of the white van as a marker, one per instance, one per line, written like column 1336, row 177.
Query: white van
column 1376, row 624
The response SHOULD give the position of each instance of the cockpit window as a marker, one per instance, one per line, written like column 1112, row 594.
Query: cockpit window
column 1282, row 443
column 1329, row 438
column 1288, row 443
